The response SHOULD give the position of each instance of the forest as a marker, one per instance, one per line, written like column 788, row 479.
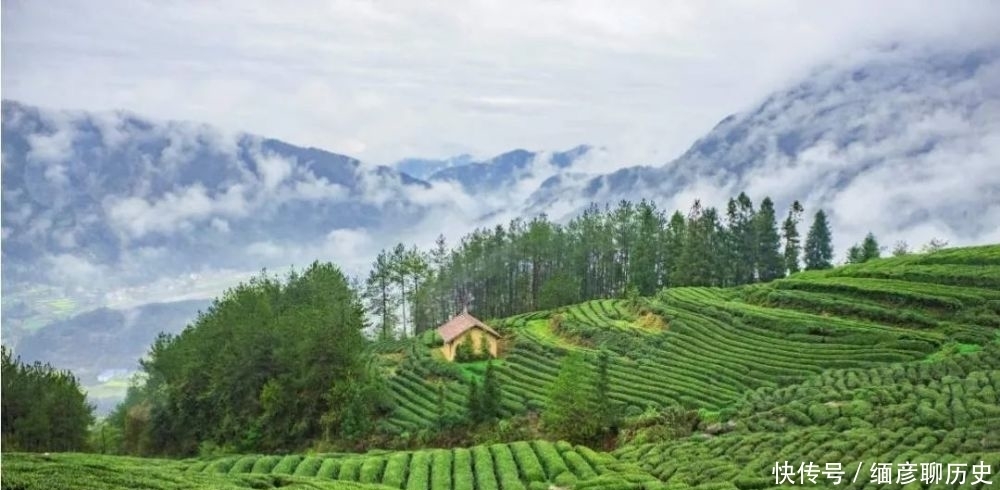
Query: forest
column 629, row 249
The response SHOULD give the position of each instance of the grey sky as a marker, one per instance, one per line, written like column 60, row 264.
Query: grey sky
column 382, row 80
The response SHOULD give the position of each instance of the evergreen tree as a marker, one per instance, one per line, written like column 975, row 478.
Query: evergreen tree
column 770, row 264
column 673, row 248
column 379, row 297
column 271, row 365
column 790, row 234
column 474, row 404
column 696, row 267
column 416, row 269
column 819, row 244
column 559, row 290
column 867, row 250
column 602, row 392
column 854, row 254
column 399, row 273
column 570, row 411
column 645, row 266
column 491, row 395
column 741, row 238
column 870, row 248
column 43, row 409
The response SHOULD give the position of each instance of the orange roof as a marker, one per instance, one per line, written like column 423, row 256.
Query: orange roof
column 459, row 324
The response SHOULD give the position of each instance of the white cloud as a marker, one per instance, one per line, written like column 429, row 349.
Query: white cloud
column 274, row 170
column 385, row 80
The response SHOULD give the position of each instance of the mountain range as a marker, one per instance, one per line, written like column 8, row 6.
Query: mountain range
column 116, row 227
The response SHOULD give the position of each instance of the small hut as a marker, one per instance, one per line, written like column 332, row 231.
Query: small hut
column 465, row 326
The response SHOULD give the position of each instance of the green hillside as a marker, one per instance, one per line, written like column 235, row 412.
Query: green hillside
column 890, row 361
column 945, row 411
column 704, row 348
column 75, row 471
column 522, row 465
column 515, row 466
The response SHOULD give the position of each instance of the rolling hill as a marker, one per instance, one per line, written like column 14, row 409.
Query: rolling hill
column 895, row 360
column 704, row 348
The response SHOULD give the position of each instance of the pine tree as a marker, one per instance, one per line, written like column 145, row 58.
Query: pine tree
column 43, row 409
column 854, row 254
column 491, row 395
column 770, row 264
column 645, row 264
column 741, row 240
column 790, row 234
column 819, row 247
column 378, row 295
column 602, row 392
column 870, row 248
column 474, row 404
column 417, row 270
column 569, row 413
column 399, row 274
column 673, row 242
column 867, row 250
column 697, row 260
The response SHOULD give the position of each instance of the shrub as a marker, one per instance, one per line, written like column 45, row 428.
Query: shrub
column 483, row 464
column 550, row 459
column 330, row 469
column 287, row 465
column 371, row 470
column 308, row 467
column 441, row 470
column 264, row 464
column 243, row 465
column 527, row 461
column 419, row 471
column 506, row 467
column 222, row 465
column 462, row 475
column 395, row 470
column 350, row 469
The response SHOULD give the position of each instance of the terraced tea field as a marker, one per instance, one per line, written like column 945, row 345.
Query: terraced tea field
column 74, row 471
column 892, row 361
column 515, row 466
column 944, row 412
column 703, row 348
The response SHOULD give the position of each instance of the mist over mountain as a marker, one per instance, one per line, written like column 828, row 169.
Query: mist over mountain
column 885, row 142
column 116, row 227
column 422, row 168
column 507, row 169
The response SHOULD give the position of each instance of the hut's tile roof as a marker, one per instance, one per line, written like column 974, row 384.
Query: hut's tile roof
column 459, row 324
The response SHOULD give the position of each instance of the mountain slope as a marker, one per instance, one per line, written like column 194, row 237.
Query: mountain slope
column 507, row 169
column 706, row 348
column 884, row 143
column 105, row 190
column 115, row 210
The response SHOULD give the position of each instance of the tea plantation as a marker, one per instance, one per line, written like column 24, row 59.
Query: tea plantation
column 890, row 361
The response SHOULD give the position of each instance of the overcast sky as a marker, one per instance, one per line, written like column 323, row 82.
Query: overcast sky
column 383, row 80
